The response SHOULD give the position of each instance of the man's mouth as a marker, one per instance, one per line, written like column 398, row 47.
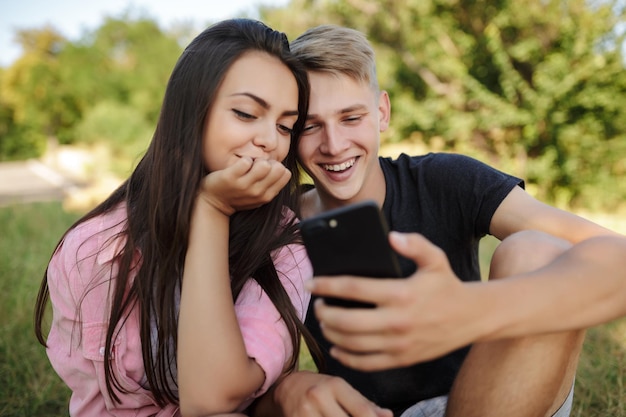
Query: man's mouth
column 339, row 167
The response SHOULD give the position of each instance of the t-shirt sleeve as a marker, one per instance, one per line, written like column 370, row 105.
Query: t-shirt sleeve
column 265, row 334
column 488, row 187
column 468, row 189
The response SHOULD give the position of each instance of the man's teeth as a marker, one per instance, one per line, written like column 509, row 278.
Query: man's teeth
column 339, row 167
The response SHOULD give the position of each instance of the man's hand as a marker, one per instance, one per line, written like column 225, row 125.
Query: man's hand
column 309, row 394
column 416, row 319
column 245, row 185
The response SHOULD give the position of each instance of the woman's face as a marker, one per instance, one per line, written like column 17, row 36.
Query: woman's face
column 254, row 111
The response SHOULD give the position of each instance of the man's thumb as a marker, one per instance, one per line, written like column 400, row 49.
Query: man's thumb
column 414, row 246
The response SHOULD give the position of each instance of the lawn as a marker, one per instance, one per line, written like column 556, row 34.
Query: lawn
column 29, row 386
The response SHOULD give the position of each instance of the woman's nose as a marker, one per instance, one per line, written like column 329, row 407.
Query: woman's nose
column 267, row 139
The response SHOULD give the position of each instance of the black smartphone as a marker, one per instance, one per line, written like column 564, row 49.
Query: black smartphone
column 350, row 240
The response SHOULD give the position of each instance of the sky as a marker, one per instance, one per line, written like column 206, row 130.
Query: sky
column 72, row 17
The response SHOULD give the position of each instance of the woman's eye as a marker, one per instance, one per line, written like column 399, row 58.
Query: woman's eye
column 243, row 115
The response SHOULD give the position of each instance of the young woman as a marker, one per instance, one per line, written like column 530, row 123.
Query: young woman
column 183, row 291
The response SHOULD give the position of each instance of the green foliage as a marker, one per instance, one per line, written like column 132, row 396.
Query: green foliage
column 537, row 88
column 18, row 141
column 57, row 84
column 121, row 126
column 139, row 58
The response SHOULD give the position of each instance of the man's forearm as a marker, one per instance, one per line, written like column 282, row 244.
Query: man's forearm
column 585, row 286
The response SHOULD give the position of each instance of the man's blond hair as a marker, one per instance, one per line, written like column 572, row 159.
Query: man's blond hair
column 337, row 50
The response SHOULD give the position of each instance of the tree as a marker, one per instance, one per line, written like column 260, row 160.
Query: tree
column 535, row 87
column 56, row 83
column 139, row 57
column 34, row 103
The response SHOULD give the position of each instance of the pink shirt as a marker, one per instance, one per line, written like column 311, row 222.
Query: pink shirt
column 77, row 352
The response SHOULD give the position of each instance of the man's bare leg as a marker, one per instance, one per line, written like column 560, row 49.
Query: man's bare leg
column 525, row 377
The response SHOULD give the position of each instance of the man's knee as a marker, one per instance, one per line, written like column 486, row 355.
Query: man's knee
column 525, row 251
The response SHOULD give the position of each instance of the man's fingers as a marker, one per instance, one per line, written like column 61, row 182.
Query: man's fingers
column 376, row 291
column 369, row 362
column 358, row 343
column 383, row 291
column 351, row 320
column 417, row 248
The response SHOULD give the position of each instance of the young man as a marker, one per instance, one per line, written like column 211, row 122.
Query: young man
column 553, row 274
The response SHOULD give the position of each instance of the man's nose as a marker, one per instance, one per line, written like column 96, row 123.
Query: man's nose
column 333, row 142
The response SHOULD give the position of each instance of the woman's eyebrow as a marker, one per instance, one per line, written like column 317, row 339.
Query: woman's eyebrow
column 264, row 103
column 256, row 98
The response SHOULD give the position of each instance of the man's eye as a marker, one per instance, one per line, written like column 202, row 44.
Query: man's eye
column 355, row 118
column 308, row 129
column 285, row 130
column 243, row 115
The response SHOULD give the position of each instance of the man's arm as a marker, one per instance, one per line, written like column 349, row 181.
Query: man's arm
column 433, row 312
column 520, row 211
column 583, row 287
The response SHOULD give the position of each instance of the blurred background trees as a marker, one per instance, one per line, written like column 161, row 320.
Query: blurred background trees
column 104, row 88
column 536, row 88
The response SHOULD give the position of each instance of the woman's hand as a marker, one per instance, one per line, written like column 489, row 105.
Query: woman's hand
column 247, row 184
column 310, row 394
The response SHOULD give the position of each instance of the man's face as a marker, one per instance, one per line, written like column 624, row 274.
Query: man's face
column 339, row 147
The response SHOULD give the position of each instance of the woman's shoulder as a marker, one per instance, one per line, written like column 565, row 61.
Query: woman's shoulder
column 98, row 236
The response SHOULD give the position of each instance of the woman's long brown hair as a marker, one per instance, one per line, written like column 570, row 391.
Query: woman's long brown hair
column 159, row 196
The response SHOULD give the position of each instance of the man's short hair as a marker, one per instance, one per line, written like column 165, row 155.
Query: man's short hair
column 337, row 50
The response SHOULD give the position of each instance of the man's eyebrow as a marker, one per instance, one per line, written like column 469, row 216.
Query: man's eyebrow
column 264, row 103
column 353, row 108
column 349, row 109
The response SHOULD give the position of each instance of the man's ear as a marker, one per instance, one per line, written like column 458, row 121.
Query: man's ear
column 384, row 111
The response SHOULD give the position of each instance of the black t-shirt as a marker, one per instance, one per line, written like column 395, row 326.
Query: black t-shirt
column 450, row 199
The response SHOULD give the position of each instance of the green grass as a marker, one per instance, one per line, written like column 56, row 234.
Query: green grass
column 29, row 386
